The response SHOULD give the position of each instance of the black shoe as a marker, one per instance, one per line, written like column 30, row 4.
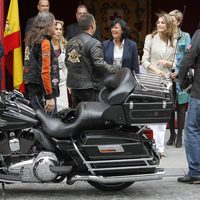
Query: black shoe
column 189, row 180
column 171, row 140
column 178, row 142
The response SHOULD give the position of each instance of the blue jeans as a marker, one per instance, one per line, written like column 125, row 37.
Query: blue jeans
column 192, row 137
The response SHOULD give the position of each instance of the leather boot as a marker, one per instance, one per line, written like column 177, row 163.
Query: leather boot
column 171, row 140
column 179, row 141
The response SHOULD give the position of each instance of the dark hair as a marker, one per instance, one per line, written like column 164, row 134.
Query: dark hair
column 81, row 6
column 86, row 21
column 123, row 25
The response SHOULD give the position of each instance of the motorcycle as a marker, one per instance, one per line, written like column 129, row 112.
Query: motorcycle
column 107, row 143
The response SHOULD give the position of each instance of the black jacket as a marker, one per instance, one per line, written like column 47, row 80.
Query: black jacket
column 41, row 68
column 191, row 59
column 29, row 24
column 73, row 30
column 85, row 62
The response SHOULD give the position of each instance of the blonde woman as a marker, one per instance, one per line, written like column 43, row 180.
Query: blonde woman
column 158, row 58
column 59, row 45
column 182, row 44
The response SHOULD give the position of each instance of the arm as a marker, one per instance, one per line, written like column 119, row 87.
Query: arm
column 97, row 57
column 190, row 56
column 147, row 55
column 135, row 64
column 187, row 42
column 46, row 77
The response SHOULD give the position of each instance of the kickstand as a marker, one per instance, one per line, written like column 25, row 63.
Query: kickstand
column 3, row 191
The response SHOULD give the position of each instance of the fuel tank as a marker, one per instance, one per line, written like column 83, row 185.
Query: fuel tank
column 17, row 115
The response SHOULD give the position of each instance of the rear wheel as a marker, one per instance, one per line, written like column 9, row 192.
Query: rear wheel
column 110, row 186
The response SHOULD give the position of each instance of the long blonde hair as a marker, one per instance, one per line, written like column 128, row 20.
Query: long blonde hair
column 63, row 41
column 168, row 35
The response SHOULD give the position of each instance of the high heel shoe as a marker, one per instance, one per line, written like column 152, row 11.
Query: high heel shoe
column 171, row 140
column 179, row 141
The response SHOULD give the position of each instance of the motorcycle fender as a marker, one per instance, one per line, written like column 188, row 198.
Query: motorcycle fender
column 42, row 138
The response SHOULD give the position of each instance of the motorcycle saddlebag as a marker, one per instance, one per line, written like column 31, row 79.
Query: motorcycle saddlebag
column 111, row 151
column 144, row 107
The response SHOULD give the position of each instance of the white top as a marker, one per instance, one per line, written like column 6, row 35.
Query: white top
column 156, row 49
column 118, row 53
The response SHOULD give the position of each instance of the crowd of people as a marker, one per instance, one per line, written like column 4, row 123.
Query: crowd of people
column 63, row 69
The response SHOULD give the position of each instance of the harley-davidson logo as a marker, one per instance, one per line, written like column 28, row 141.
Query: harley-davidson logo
column 3, row 123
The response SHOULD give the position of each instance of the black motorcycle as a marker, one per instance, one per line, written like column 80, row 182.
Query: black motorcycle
column 105, row 143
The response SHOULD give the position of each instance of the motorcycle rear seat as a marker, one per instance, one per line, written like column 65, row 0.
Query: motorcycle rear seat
column 88, row 117
column 121, row 85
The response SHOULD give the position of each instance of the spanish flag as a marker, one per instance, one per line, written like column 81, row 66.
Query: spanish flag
column 12, row 45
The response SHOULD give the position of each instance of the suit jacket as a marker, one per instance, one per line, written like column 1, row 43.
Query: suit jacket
column 29, row 24
column 73, row 30
column 129, row 57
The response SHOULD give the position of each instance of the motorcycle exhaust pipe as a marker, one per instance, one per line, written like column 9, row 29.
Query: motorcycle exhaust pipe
column 118, row 179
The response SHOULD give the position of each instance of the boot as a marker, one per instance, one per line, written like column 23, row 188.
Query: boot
column 179, row 141
column 171, row 140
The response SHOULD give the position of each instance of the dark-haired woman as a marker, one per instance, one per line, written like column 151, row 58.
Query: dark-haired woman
column 41, row 73
column 119, row 50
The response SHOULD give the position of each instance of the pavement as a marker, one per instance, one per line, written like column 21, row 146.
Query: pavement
column 168, row 188
column 175, row 163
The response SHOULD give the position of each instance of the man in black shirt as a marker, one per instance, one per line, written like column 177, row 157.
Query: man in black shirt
column 43, row 5
column 191, row 59
column 74, row 29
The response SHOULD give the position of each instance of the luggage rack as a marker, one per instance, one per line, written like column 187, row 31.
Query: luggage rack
column 151, row 102
column 154, row 82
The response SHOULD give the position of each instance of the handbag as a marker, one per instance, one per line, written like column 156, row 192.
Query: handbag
column 183, row 97
column 187, row 81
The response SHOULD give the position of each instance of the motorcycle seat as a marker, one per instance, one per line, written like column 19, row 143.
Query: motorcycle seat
column 88, row 117
column 120, row 86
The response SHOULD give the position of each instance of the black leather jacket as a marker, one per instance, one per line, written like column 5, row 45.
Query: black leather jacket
column 85, row 62
column 191, row 59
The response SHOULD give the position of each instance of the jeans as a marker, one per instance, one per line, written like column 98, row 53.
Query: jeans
column 192, row 137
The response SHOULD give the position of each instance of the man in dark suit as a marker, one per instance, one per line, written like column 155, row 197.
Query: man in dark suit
column 43, row 5
column 74, row 29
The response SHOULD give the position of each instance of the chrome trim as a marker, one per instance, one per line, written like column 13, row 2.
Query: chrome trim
column 122, row 160
column 83, row 159
column 124, row 168
column 144, row 166
column 118, row 179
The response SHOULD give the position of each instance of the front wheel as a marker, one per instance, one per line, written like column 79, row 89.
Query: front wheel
column 110, row 186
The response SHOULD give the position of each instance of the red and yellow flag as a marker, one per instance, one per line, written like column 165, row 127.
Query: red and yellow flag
column 12, row 45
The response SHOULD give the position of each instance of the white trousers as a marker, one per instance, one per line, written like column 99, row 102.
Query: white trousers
column 159, row 136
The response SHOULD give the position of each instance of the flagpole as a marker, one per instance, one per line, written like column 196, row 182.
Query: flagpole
column 1, row 37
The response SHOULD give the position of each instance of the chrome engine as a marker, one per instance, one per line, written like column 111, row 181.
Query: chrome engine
column 36, row 169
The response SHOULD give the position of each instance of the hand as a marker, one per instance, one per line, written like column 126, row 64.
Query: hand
column 165, row 63
column 50, row 105
column 69, row 90
column 159, row 72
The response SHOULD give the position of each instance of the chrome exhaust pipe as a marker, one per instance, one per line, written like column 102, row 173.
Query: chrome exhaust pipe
column 118, row 179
